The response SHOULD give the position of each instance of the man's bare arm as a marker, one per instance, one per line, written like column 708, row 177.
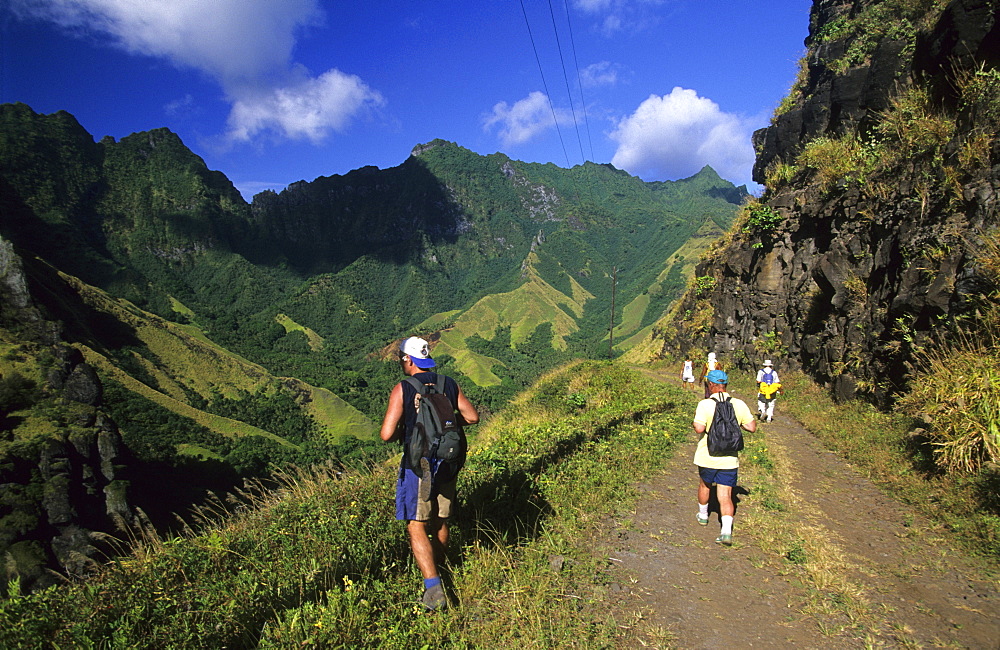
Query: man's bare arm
column 393, row 415
column 465, row 408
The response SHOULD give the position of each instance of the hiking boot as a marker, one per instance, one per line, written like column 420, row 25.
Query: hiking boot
column 434, row 598
column 424, row 485
column 702, row 521
column 725, row 539
column 770, row 419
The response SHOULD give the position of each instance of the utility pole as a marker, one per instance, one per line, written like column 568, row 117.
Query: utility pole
column 611, row 330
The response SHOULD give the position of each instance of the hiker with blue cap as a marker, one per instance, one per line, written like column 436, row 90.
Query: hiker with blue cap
column 423, row 501
column 720, row 471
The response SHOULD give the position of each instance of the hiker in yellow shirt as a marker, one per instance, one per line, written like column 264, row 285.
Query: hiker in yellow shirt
column 720, row 471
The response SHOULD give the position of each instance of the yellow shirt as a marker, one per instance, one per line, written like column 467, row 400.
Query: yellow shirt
column 703, row 415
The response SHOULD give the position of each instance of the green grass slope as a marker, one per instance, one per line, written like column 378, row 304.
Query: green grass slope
column 319, row 561
column 643, row 346
column 522, row 310
column 182, row 371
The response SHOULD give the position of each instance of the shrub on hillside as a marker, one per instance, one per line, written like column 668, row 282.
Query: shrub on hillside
column 957, row 387
column 958, row 394
column 16, row 392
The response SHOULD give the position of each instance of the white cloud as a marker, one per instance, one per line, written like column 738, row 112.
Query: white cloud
column 181, row 106
column 244, row 45
column 676, row 135
column 525, row 120
column 615, row 16
column 309, row 109
column 593, row 6
column 603, row 73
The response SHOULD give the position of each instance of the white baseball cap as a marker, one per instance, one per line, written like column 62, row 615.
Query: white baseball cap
column 419, row 351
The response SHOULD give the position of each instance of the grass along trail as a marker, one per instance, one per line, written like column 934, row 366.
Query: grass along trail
column 821, row 559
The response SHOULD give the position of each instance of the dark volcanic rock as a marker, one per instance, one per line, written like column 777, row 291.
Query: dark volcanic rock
column 62, row 482
column 83, row 386
column 859, row 274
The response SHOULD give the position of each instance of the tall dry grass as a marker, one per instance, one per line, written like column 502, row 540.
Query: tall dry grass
column 956, row 390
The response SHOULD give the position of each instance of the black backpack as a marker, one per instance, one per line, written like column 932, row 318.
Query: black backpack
column 725, row 436
column 436, row 435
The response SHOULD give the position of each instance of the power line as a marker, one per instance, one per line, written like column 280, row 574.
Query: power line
column 590, row 187
column 548, row 95
column 569, row 92
column 583, row 101
column 579, row 80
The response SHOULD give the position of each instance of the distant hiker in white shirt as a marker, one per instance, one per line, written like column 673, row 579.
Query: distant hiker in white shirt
column 710, row 364
column 687, row 374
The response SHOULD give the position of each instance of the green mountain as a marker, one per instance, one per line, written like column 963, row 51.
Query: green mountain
column 360, row 258
column 224, row 337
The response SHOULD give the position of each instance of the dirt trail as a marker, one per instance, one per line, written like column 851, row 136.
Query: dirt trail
column 893, row 582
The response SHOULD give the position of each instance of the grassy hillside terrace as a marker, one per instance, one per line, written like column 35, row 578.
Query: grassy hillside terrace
column 321, row 561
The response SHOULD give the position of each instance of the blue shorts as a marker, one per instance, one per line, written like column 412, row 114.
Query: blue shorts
column 719, row 476
column 437, row 504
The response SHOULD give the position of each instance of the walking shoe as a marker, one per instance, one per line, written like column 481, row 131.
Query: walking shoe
column 769, row 418
column 426, row 480
column 702, row 521
column 434, row 598
column 725, row 540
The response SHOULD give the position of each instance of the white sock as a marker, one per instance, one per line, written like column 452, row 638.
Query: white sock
column 703, row 511
column 727, row 524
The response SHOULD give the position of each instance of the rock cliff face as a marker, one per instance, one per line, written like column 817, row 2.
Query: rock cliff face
column 62, row 480
column 882, row 177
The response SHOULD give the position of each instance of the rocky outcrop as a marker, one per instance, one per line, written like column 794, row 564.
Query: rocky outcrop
column 860, row 270
column 831, row 103
column 61, row 463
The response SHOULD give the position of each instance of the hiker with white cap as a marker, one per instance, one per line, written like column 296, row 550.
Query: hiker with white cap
column 423, row 500
column 769, row 387
column 710, row 364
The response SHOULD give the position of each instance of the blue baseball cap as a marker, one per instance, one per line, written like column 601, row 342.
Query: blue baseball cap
column 718, row 377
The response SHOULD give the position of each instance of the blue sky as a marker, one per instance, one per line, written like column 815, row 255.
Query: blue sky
column 274, row 91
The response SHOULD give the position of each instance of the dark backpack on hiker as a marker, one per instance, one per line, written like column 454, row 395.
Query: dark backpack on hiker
column 437, row 435
column 725, row 436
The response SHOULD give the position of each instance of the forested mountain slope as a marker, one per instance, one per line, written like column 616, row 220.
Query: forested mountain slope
column 211, row 339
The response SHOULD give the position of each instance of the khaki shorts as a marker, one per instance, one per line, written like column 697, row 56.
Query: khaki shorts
column 438, row 503
column 420, row 500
